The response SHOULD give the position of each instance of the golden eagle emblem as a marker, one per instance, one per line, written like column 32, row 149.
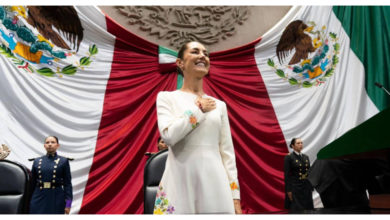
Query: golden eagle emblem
column 294, row 37
column 312, row 53
column 63, row 18
column 35, row 38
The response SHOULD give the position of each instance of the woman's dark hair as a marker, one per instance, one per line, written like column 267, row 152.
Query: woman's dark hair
column 180, row 55
column 182, row 49
column 53, row 137
column 293, row 142
column 158, row 140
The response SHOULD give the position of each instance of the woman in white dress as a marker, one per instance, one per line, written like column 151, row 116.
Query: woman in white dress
column 200, row 174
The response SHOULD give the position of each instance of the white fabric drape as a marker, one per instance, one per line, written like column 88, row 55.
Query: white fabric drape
column 33, row 106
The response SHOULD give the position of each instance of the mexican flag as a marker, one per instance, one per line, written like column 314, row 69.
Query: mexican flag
column 322, row 96
column 98, row 96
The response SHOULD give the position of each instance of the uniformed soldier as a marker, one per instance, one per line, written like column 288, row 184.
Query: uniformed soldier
column 298, row 188
column 51, row 180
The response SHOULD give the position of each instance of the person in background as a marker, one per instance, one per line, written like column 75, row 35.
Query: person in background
column 161, row 144
column 51, row 181
column 298, row 188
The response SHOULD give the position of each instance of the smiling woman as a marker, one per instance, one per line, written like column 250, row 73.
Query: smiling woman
column 200, row 174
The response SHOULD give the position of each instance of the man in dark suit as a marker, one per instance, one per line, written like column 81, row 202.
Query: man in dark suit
column 343, row 183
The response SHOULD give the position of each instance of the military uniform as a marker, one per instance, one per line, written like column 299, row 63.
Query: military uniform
column 295, row 177
column 51, row 181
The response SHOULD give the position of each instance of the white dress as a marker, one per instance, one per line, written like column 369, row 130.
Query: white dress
column 200, row 174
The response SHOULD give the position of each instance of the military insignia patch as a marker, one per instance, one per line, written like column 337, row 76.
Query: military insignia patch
column 307, row 55
column 42, row 39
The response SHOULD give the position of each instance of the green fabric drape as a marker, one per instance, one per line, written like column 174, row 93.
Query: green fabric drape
column 369, row 30
column 367, row 140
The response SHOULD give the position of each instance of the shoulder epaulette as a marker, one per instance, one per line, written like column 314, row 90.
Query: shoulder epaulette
column 32, row 159
column 69, row 158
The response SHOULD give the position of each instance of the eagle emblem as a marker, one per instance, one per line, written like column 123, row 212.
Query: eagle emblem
column 307, row 55
column 35, row 38
column 294, row 37
column 62, row 18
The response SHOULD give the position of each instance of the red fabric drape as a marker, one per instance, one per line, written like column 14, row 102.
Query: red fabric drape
column 128, row 127
column 258, row 140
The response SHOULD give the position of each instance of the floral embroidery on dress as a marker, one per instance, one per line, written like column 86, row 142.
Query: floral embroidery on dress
column 193, row 121
column 234, row 186
column 161, row 205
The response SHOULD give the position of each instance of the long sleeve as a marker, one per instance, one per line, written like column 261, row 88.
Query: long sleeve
column 172, row 127
column 227, row 153
column 68, row 185
column 287, row 168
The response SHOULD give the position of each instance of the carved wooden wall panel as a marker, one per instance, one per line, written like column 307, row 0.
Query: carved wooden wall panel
column 218, row 27
column 205, row 24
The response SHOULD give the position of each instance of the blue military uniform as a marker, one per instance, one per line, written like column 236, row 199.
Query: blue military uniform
column 52, row 183
column 295, row 176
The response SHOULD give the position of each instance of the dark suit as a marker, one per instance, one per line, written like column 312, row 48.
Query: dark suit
column 295, row 177
column 51, row 181
column 342, row 183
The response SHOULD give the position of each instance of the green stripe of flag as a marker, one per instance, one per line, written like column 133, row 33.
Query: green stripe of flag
column 165, row 56
column 369, row 30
